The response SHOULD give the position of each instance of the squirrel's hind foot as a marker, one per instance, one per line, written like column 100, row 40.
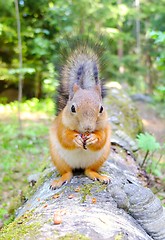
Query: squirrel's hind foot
column 65, row 178
column 96, row 176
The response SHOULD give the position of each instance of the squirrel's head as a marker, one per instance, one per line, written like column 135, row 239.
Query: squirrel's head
column 84, row 111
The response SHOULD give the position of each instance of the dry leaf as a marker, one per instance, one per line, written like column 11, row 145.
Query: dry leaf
column 71, row 196
column 77, row 189
column 94, row 200
column 57, row 218
column 56, row 196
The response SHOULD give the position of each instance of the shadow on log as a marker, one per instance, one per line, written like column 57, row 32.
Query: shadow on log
column 83, row 209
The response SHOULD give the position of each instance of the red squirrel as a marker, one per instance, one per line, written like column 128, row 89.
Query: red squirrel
column 80, row 134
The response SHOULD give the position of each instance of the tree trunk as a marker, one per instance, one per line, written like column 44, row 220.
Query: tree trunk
column 20, row 84
column 137, row 23
column 120, row 45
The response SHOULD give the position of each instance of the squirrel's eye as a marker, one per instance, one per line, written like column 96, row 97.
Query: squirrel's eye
column 101, row 109
column 73, row 109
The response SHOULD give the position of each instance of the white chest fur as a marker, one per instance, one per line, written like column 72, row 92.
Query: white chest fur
column 80, row 158
column 77, row 158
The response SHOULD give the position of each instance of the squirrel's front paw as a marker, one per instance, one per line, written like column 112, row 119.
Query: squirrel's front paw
column 91, row 139
column 78, row 141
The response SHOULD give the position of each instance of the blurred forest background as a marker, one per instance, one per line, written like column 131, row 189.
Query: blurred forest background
column 133, row 32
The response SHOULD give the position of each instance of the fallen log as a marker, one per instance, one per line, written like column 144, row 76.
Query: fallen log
column 83, row 209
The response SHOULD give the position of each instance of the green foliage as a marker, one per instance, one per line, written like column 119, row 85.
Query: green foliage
column 23, row 71
column 156, row 168
column 45, row 25
column 22, row 154
column 154, row 161
column 159, row 93
column 159, row 40
column 158, row 36
column 147, row 142
column 153, row 154
column 45, row 106
column 2, row 212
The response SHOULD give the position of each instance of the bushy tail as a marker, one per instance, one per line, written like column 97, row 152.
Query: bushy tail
column 81, row 67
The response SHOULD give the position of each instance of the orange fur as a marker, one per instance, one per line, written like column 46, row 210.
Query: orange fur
column 102, row 138
column 65, row 138
column 60, row 164
column 65, row 135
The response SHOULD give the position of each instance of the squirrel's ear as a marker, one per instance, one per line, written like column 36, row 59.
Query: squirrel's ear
column 98, row 88
column 73, row 90
column 75, row 87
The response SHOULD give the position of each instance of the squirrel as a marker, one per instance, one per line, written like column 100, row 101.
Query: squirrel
column 80, row 134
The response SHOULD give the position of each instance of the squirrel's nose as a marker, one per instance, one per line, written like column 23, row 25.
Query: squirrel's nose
column 88, row 129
